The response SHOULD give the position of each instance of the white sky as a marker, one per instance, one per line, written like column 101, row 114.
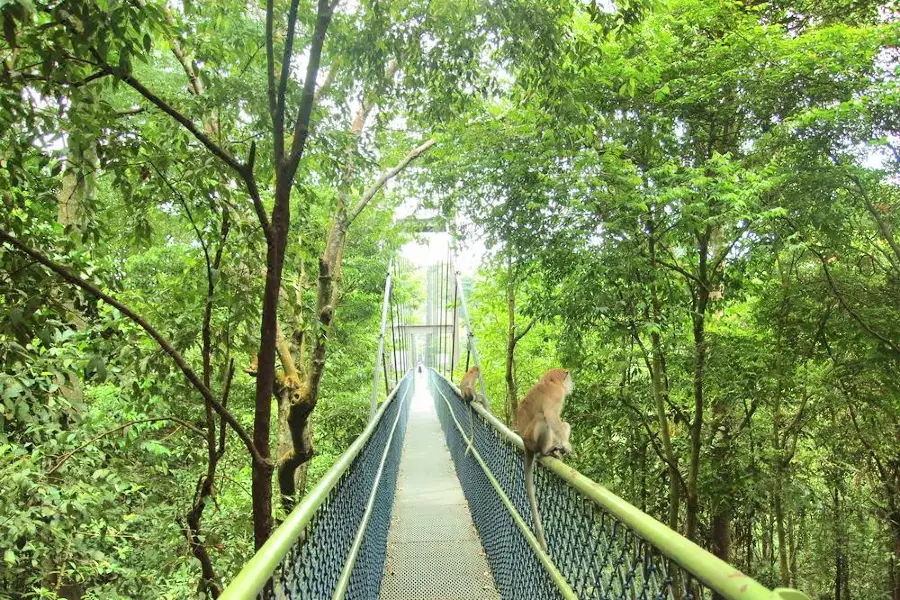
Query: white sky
column 431, row 248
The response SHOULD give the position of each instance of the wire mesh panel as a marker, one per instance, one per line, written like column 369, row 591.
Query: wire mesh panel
column 597, row 554
column 312, row 567
column 517, row 571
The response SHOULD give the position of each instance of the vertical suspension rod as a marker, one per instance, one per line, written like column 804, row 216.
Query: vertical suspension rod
column 379, row 358
column 401, row 330
column 393, row 337
column 439, row 280
column 447, row 312
column 454, row 333
column 471, row 335
column 407, row 354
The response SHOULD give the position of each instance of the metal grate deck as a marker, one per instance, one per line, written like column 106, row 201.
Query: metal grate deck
column 433, row 549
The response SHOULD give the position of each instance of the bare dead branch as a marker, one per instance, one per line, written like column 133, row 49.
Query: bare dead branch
column 388, row 175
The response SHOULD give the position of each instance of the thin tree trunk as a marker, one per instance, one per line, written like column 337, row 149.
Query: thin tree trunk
column 780, row 529
column 660, row 384
column 701, row 295
column 792, row 548
column 767, row 536
column 511, row 396
column 749, row 542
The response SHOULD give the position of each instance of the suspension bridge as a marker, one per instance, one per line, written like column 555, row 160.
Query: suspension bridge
column 410, row 512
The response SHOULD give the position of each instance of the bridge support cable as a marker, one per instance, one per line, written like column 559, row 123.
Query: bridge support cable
column 387, row 384
column 403, row 307
column 604, row 547
column 379, row 357
column 438, row 313
column 337, row 535
column 394, row 331
column 454, row 334
column 470, row 335
column 447, row 313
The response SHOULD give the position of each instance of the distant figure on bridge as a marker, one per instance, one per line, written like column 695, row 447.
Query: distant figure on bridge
column 419, row 367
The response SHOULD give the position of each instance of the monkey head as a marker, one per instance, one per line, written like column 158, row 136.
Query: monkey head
column 560, row 377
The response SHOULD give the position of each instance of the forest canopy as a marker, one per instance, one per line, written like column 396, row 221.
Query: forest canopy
column 691, row 204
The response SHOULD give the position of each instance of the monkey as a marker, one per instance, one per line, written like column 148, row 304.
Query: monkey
column 468, row 393
column 467, row 385
column 543, row 432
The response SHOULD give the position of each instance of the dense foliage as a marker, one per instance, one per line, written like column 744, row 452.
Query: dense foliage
column 699, row 214
column 691, row 203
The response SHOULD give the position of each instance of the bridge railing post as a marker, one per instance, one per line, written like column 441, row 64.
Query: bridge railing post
column 379, row 357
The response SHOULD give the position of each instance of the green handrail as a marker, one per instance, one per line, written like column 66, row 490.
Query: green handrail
column 259, row 569
column 709, row 569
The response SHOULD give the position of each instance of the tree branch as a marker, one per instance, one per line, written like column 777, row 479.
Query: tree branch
column 883, row 227
column 329, row 78
column 855, row 315
column 304, row 112
column 185, row 122
column 244, row 171
column 671, row 266
column 717, row 261
column 524, row 332
column 178, row 51
column 278, row 117
column 103, row 434
column 167, row 347
column 187, row 210
column 284, row 353
column 226, row 390
column 652, row 437
column 270, row 60
column 387, row 175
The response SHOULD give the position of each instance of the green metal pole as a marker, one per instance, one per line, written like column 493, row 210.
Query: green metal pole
column 380, row 355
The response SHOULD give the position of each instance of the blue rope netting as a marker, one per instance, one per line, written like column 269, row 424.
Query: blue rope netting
column 312, row 567
column 598, row 555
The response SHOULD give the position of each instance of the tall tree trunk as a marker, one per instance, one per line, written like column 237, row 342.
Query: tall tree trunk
column 660, row 384
column 261, row 478
column 780, row 528
column 749, row 542
column 295, row 436
column 841, row 563
column 701, row 301
column 767, row 537
column 792, row 548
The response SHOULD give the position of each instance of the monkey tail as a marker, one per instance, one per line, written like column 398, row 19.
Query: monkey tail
column 532, row 501
column 471, row 428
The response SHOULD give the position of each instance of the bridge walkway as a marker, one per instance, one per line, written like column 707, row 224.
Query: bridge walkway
column 433, row 549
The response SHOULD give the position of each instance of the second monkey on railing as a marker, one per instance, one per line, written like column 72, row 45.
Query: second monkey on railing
column 543, row 432
column 468, row 393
